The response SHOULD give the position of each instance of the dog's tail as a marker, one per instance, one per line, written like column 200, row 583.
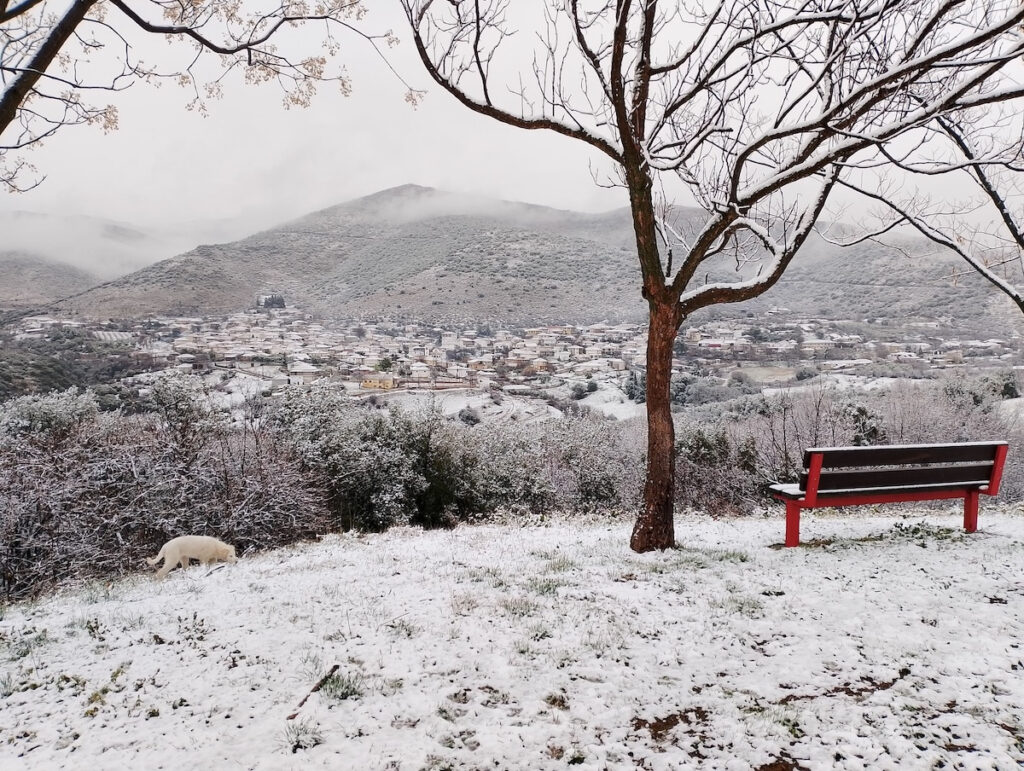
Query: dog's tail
column 158, row 557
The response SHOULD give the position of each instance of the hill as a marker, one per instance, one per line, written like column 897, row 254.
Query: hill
column 406, row 252
column 30, row 280
column 418, row 253
column 906, row 281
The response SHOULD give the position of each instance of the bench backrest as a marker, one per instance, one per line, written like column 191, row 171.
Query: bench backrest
column 881, row 467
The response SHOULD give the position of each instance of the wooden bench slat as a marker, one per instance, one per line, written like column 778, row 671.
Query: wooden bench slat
column 975, row 473
column 881, row 455
column 918, row 490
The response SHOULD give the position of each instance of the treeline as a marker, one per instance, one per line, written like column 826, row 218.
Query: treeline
column 88, row 492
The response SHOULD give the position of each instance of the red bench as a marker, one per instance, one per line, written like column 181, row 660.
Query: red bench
column 849, row 476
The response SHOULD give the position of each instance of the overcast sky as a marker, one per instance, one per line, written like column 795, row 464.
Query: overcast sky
column 253, row 161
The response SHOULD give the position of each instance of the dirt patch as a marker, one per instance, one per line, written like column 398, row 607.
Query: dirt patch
column 660, row 727
column 783, row 763
column 824, row 543
column 857, row 692
column 950, row 747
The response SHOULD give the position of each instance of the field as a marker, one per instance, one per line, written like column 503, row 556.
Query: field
column 888, row 643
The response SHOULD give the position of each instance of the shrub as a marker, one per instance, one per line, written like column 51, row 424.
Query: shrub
column 806, row 373
column 635, row 387
column 85, row 493
column 727, row 457
column 514, row 473
column 715, row 473
column 378, row 469
column 686, row 390
column 470, row 416
column 595, row 464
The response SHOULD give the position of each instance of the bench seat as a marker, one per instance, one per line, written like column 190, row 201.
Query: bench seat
column 848, row 476
column 795, row 492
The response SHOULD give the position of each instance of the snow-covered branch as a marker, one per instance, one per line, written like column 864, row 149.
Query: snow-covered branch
column 53, row 58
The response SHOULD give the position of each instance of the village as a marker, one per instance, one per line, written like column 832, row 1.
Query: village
column 280, row 346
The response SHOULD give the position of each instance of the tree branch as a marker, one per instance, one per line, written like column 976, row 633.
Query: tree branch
column 6, row 14
column 188, row 31
column 25, row 81
column 490, row 110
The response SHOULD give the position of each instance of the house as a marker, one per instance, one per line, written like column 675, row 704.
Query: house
column 484, row 361
column 817, row 345
column 419, row 372
column 302, row 372
column 379, row 380
column 458, row 370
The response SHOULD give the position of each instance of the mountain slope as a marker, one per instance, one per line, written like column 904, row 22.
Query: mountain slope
column 411, row 252
column 30, row 280
column 418, row 253
column 869, row 281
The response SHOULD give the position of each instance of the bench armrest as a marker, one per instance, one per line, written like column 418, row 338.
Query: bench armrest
column 997, row 470
column 813, row 477
column 790, row 490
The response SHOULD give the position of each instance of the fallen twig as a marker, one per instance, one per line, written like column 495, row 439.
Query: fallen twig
column 313, row 690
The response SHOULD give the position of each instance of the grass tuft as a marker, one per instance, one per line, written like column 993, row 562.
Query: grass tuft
column 339, row 687
column 301, row 735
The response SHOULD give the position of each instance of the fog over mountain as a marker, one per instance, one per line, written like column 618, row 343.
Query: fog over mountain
column 108, row 248
column 418, row 253
column 99, row 247
column 408, row 252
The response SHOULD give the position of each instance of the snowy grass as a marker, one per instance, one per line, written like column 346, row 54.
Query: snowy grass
column 885, row 643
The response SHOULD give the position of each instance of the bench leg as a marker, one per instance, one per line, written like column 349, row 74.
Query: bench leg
column 792, row 523
column 971, row 511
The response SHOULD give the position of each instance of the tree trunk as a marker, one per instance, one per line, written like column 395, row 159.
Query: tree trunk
column 15, row 92
column 655, row 528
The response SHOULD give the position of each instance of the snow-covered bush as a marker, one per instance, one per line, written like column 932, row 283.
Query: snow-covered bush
column 716, row 473
column 577, row 464
column 85, row 493
column 514, row 475
column 449, row 461
column 46, row 420
column 381, row 468
column 591, row 467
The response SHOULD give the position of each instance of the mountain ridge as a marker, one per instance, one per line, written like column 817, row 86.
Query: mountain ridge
column 417, row 253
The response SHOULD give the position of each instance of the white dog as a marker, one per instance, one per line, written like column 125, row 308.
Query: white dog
column 192, row 547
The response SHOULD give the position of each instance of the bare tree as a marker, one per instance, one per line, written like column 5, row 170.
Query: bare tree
column 54, row 56
column 758, row 111
column 985, row 227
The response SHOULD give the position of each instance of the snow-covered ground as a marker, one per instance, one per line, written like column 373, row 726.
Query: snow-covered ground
column 836, row 380
column 611, row 401
column 451, row 402
column 899, row 645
